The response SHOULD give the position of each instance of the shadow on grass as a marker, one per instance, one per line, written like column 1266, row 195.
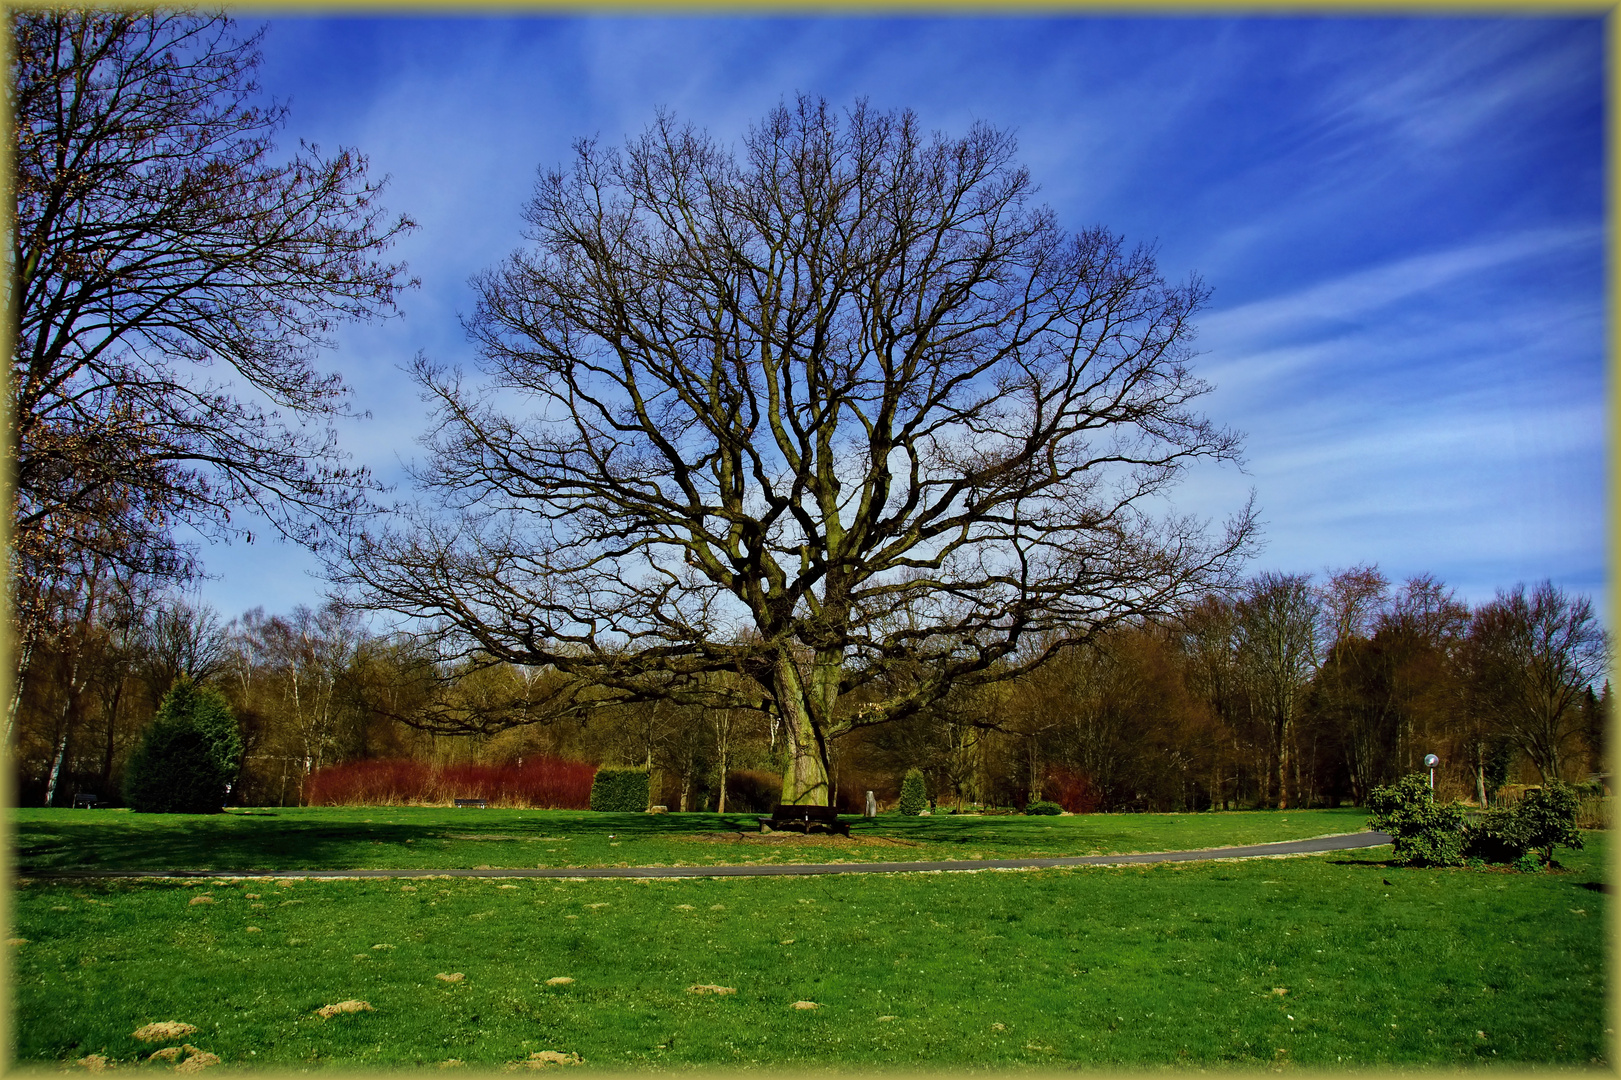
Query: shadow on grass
column 305, row 839
column 437, row 837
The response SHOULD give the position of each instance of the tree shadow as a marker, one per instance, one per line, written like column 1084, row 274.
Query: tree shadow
column 225, row 843
column 307, row 839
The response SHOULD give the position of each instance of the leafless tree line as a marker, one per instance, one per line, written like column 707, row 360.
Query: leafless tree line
column 1288, row 692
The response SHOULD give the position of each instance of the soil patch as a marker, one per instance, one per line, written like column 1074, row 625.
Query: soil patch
column 479, row 836
column 545, row 1059
column 162, row 1030
column 789, row 839
column 200, row 1059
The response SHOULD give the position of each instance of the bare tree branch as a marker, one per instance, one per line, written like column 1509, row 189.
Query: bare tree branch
column 843, row 413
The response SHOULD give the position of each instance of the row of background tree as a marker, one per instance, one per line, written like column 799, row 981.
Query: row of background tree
column 1292, row 692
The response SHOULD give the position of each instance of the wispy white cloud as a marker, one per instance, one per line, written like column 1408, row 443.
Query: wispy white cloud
column 1359, row 294
column 1415, row 342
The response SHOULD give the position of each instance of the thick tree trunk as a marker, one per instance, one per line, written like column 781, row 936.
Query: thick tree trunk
column 805, row 777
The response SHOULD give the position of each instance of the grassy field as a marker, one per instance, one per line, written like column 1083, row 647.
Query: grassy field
column 1312, row 961
column 1328, row 961
column 414, row 838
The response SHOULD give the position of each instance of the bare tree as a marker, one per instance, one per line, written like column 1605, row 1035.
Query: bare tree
column 1277, row 627
column 1531, row 659
column 170, row 287
column 845, row 415
column 179, row 639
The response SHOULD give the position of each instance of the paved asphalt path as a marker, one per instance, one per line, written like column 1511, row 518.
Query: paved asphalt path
column 1344, row 842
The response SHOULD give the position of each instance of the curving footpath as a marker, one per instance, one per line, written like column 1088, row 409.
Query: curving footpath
column 1314, row 846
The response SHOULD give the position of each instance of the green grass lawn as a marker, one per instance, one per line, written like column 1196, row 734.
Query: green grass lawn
column 1312, row 961
column 1328, row 961
column 414, row 838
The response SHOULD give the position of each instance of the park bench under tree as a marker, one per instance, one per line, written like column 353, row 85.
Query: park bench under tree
column 805, row 819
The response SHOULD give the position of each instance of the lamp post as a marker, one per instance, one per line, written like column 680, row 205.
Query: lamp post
column 1431, row 761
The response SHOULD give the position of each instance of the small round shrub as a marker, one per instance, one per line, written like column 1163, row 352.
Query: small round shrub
column 1042, row 806
column 187, row 757
column 1423, row 831
column 914, row 794
column 1544, row 818
column 1529, row 863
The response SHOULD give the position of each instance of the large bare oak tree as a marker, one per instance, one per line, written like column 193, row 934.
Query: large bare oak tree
column 843, row 415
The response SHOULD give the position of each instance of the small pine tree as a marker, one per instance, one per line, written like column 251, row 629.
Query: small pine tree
column 914, row 795
column 187, row 757
column 206, row 710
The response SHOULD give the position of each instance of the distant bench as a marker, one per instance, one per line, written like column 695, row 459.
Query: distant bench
column 805, row 819
column 86, row 800
column 482, row 804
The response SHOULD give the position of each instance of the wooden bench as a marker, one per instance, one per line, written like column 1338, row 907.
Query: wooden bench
column 482, row 804
column 805, row 819
column 86, row 800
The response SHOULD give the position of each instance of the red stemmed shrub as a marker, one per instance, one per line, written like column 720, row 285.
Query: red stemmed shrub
column 1072, row 790
column 539, row 783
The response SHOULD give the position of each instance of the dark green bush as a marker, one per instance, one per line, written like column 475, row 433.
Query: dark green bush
column 914, row 795
column 1496, row 836
column 1544, row 818
column 1042, row 806
column 1548, row 816
column 205, row 709
column 1424, row 832
column 620, row 789
column 188, row 757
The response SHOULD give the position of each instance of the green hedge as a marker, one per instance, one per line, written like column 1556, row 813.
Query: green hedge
column 620, row 789
column 1042, row 806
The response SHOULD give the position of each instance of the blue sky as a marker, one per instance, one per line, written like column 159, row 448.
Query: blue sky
column 1400, row 220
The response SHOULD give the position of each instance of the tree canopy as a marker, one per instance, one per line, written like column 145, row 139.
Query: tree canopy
column 843, row 416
